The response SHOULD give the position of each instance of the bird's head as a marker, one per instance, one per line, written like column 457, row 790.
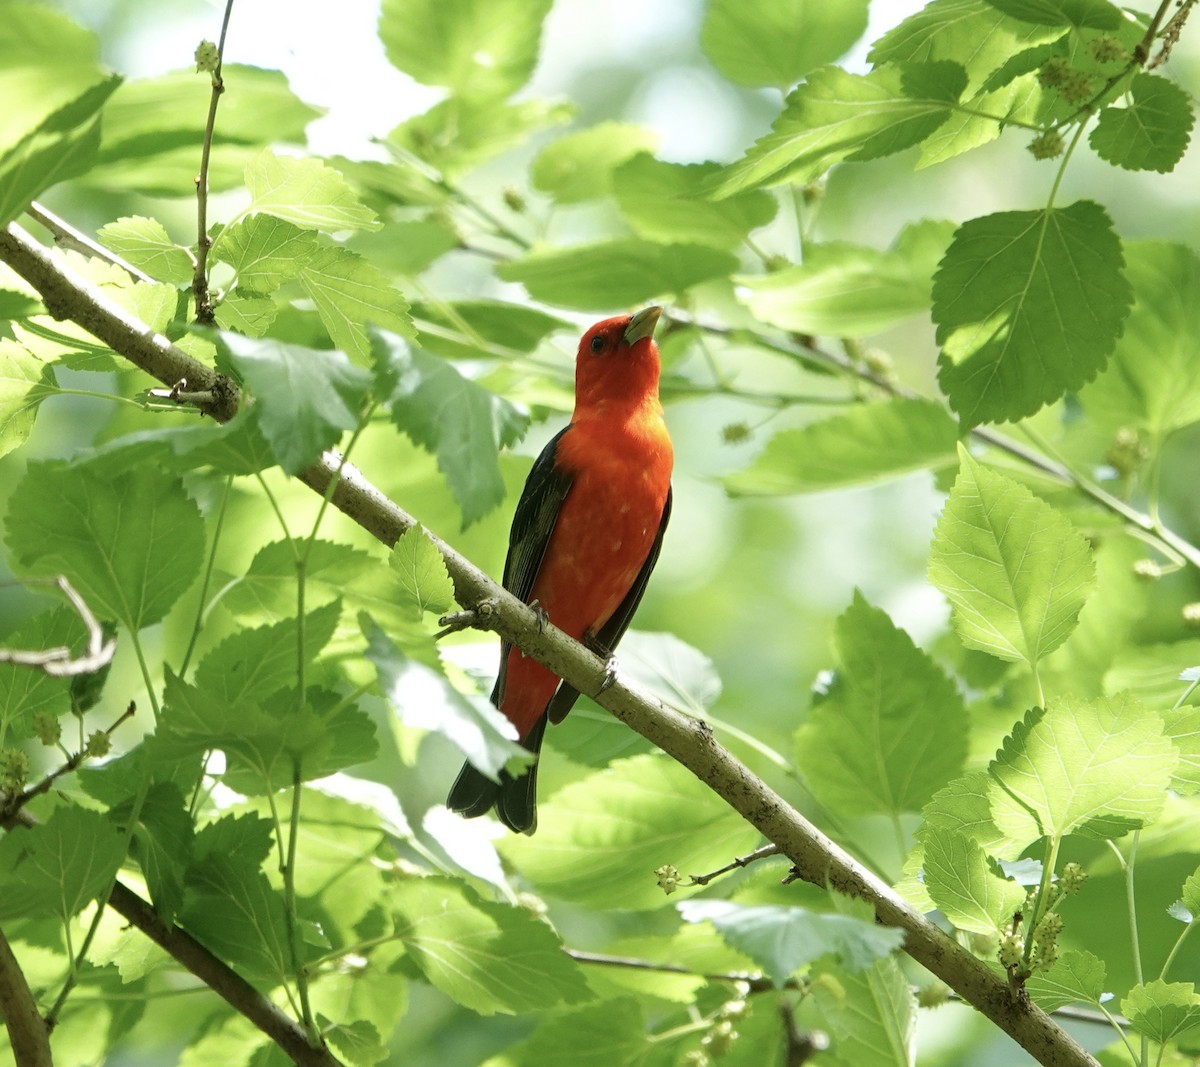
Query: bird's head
column 618, row 360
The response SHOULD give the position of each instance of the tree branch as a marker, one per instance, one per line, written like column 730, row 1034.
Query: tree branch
column 27, row 1030
column 816, row 858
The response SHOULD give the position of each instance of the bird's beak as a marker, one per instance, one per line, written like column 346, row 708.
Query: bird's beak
column 642, row 324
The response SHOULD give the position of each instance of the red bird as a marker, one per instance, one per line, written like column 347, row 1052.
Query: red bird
column 585, row 537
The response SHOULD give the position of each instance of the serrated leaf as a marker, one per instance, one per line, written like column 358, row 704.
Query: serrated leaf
column 1080, row 14
column 163, row 844
column 487, row 957
column 600, row 839
column 971, row 32
column 777, row 42
column 872, row 1016
column 962, row 807
column 1152, row 133
column 836, row 116
column 1162, row 1010
column 358, row 1042
column 25, row 693
column 611, row 1033
column 253, row 663
column 58, row 867
column 235, row 912
column 1028, row 305
column 145, row 243
column 1153, row 379
column 579, row 166
column 848, row 290
column 25, row 381
column 350, row 294
column 616, row 273
column 1190, row 895
column 423, row 698
column 866, row 444
column 468, row 329
column 1100, row 768
column 423, row 575
column 463, row 424
column 483, row 47
column 1014, row 570
column 891, row 729
column 962, row 883
column 131, row 541
column 264, row 251
column 306, row 396
column 667, row 202
column 307, row 192
column 665, row 664
column 781, row 940
column 1077, row 978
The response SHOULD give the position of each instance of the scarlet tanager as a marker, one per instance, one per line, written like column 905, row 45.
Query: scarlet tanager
column 584, row 539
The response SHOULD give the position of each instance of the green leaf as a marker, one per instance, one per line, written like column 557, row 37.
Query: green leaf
column 307, row 192
column 668, row 202
column 962, row 807
column 235, row 912
column 600, row 839
column 53, row 87
column 146, row 244
column 847, row 290
column 1190, row 897
column 1183, row 728
column 971, row 32
column 458, row 134
column 1099, row 768
column 423, row 698
column 1080, row 14
column 264, row 251
column 615, row 273
column 1077, row 978
column 250, row 314
column 891, row 728
column 131, row 541
column 306, row 396
column 59, row 867
column 358, row 1042
column 1152, row 133
column 1162, row 1010
column 462, row 423
column 781, row 940
column 25, row 693
column 872, row 1016
column 482, row 47
column 252, row 664
column 866, row 444
column 162, row 844
column 777, row 42
column 611, row 1033
column 1153, row 379
column 1028, row 306
column 487, row 957
column 666, row 665
column 350, row 294
column 1014, row 570
column 965, row 887
column 455, row 330
column 423, row 576
column 579, row 166
column 25, row 381
column 836, row 116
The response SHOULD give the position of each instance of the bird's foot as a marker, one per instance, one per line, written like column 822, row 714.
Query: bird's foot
column 542, row 616
column 610, row 674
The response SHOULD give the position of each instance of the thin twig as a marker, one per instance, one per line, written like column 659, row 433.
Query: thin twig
column 58, row 661
column 66, row 236
column 737, row 862
column 203, row 298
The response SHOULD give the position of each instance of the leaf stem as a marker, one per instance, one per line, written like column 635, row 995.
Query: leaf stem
column 141, row 658
column 289, row 899
column 208, row 572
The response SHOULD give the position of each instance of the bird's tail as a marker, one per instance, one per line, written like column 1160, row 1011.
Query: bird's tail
column 513, row 797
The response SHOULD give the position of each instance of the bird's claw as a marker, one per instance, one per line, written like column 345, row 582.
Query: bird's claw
column 542, row 616
column 610, row 674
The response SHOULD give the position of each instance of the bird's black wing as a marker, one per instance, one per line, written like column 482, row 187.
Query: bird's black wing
column 606, row 638
column 537, row 511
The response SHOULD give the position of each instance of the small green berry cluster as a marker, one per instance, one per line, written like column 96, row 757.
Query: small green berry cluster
column 668, row 878
column 721, row 1034
column 1078, row 81
column 14, row 770
column 1127, row 451
column 1022, row 955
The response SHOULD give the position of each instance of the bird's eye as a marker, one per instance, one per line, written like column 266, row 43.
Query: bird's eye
column 597, row 344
